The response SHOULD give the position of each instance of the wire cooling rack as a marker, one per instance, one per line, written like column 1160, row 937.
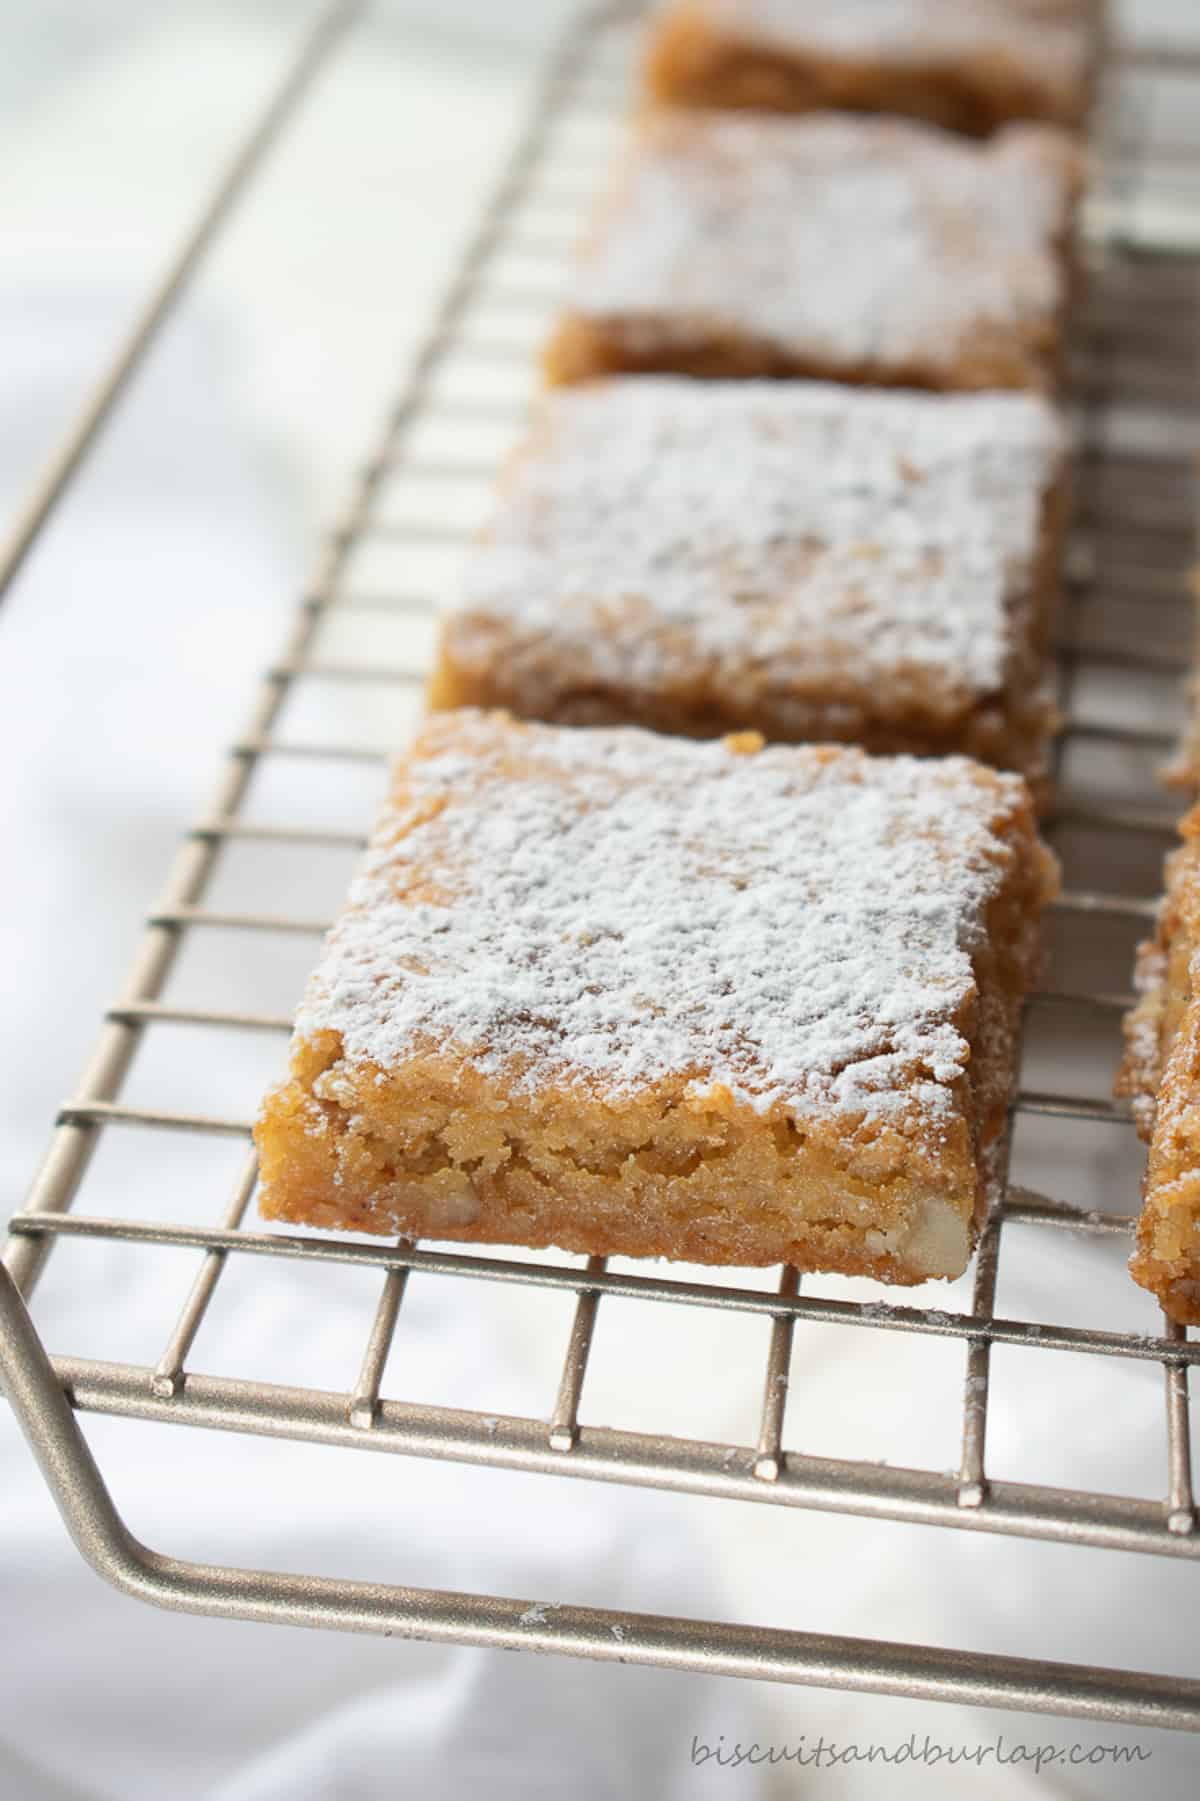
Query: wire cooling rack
column 1126, row 632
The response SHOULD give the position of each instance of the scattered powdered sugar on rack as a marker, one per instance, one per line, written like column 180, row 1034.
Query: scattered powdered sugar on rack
column 915, row 33
column 851, row 241
column 798, row 528
column 609, row 908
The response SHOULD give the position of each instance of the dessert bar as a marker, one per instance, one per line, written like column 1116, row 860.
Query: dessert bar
column 622, row 993
column 833, row 246
column 812, row 562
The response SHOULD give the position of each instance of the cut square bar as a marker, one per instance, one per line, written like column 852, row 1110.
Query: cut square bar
column 811, row 562
column 629, row 994
column 968, row 65
column 1161, row 1074
column 850, row 249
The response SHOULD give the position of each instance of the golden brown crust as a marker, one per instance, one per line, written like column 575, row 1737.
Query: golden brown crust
column 1161, row 1076
column 976, row 88
column 584, row 349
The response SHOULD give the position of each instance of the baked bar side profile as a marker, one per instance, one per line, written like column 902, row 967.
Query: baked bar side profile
column 486, row 665
column 587, row 347
column 1161, row 1077
column 435, row 1152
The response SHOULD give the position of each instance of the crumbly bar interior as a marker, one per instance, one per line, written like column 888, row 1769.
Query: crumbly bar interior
column 1161, row 1075
column 622, row 994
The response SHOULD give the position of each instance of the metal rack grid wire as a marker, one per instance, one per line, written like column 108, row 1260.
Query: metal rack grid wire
column 1133, row 536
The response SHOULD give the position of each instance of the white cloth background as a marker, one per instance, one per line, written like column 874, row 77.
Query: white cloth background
column 137, row 624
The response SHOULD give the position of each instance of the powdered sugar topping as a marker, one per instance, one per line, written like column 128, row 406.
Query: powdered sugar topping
column 801, row 533
column 611, row 909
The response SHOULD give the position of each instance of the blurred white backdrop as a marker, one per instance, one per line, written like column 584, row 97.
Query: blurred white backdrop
column 126, row 654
